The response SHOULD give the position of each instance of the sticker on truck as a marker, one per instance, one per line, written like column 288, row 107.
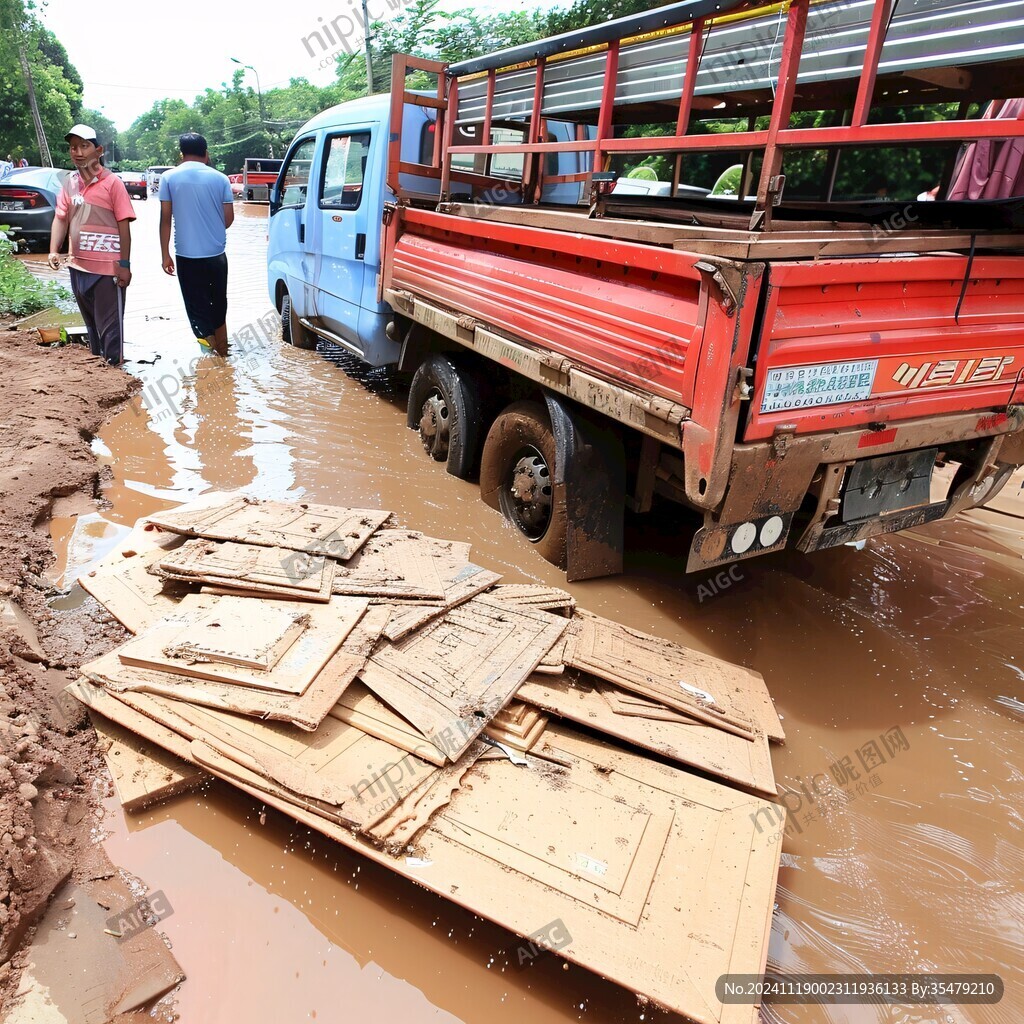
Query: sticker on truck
column 802, row 387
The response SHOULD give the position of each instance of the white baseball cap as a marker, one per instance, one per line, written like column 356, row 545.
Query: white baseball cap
column 83, row 131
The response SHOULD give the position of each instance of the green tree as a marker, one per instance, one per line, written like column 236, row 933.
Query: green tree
column 57, row 84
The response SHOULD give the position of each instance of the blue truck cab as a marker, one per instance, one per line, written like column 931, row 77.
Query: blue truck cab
column 326, row 212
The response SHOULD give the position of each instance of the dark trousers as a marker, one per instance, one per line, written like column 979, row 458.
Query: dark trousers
column 101, row 302
column 204, row 288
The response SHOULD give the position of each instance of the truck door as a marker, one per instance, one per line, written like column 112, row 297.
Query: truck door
column 338, row 235
column 289, row 254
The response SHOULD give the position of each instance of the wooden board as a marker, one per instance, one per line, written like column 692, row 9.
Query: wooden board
column 394, row 563
column 461, row 583
column 338, row 764
column 534, row 595
column 359, row 707
column 306, row 711
column 694, row 744
column 669, row 674
column 372, row 801
column 144, row 773
column 397, row 831
column 709, row 903
column 226, row 635
column 622, row 702
column 251, row 568
column 314, row 529
column 122, row 583
column 522, row 740
column 329, row 624
column 450, row 678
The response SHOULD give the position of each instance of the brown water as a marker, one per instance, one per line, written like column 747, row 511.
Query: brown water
column 922, row 871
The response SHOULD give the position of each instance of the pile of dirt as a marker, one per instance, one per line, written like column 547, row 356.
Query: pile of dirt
column 52, row 403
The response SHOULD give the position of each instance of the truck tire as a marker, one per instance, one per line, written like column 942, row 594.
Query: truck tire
column 292, row 330
column 517, row 476
column 443, row 407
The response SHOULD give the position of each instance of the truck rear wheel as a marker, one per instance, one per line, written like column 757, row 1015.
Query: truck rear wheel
column 443, row 407
column 517, row 475
column 292, row 330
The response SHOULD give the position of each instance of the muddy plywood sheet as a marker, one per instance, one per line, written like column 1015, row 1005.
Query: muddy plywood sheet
column 314, row 529
column 122, row 583
column 622, row 702
column 709, row 898
column 685, row 741
column 523, row 741
column 251, row 568
column 706, row 688
column 368, row 805
column 450, row 678
column 395, row 563
column 397, row 831
column 534, row 595
column 519, row 729
column 306, row 710
column 329, row 625
column 665, row 877
column 461, row 583
column 240, row 632
column 143, row 772
column 359, row 707
column 336, row 764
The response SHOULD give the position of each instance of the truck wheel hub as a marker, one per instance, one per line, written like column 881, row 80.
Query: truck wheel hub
column 531, row 494
column 434, row 425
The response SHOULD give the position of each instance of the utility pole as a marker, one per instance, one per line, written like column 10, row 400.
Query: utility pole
column 263, row 111
column 366, row 46
column 44, row 147
column 13, row 17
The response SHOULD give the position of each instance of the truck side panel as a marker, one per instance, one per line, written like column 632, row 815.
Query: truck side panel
column 630, row 312
column 849, row 343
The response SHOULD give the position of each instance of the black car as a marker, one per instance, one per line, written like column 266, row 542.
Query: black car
column 28, row 199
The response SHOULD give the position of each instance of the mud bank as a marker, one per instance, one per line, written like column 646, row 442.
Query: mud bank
column 52, row 778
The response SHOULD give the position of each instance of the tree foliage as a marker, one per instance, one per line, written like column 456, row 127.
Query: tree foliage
column 58, row 85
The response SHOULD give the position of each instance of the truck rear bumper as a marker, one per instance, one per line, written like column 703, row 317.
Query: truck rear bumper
column 772, row 481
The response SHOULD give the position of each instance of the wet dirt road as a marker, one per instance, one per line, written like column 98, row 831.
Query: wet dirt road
column 915, row 865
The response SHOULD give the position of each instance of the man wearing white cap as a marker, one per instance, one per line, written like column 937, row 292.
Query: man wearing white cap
column 94, row 205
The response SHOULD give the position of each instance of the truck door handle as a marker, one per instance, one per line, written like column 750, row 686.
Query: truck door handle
column 360, row 246
column 302, row 231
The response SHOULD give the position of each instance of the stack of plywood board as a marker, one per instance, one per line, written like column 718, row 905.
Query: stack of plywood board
column 526, row 759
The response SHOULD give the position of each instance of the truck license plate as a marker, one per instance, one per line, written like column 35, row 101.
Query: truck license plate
column 805, row 387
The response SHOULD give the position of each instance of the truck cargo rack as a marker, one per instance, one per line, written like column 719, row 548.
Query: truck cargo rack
column 739, row 59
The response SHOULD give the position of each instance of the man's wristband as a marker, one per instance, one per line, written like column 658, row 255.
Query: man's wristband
column 125, row 264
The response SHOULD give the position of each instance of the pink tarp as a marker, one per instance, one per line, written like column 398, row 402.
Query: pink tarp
column 993, row 168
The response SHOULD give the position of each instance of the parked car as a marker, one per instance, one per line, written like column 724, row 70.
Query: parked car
column 28, row 199
column 135, row 183
column 237, row 185
column 153, row 177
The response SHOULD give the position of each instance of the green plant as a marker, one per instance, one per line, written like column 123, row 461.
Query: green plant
column 644, row 173
column 20, row 293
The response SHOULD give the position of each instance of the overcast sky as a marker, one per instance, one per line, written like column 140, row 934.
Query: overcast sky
column 177, row 49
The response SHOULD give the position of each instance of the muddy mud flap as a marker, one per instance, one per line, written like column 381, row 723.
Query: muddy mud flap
column 890, row 483
column 590, row 465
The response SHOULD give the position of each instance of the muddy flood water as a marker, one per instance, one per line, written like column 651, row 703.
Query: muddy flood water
column 909, row 643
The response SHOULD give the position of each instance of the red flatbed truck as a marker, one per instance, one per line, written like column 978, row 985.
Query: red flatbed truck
column 791, row 364
column 258, row 176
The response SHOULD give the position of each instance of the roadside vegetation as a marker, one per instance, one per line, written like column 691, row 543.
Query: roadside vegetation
column 20, row 293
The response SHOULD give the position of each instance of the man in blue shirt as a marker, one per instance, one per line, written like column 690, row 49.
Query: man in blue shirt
column 199, row 200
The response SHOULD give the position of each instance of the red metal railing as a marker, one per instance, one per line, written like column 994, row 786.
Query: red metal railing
column 774, row 141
